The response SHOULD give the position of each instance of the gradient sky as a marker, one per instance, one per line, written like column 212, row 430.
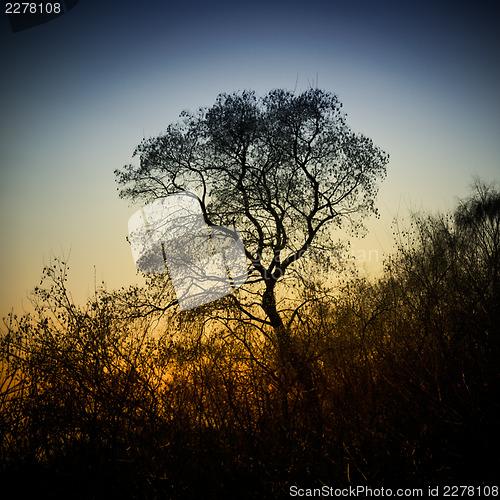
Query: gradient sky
column 422, row 79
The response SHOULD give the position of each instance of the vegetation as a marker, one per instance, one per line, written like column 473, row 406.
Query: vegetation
column 377, row 383
column 96, row 403
column 282, row 169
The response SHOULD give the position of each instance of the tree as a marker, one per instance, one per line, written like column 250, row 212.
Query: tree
column 282, row 169
column 478, row 220
column 392, row 380
column 447, row 267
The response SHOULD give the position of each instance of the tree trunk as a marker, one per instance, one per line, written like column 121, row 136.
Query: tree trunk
column 294, row 367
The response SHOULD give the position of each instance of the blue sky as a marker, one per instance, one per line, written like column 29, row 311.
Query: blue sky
column 80, row 92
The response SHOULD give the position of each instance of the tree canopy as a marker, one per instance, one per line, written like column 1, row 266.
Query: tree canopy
column 282, row 169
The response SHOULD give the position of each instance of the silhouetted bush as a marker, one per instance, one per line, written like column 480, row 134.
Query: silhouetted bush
column 391, row 382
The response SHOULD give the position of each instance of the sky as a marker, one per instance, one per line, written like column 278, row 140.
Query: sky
column 80, row 92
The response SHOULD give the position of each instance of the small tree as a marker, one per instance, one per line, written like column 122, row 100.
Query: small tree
column 282, row 169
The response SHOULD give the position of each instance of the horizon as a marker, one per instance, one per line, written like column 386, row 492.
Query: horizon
column 80, row 93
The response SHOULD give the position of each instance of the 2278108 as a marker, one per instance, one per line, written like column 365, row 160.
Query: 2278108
column 33, row 8
column 470, row 491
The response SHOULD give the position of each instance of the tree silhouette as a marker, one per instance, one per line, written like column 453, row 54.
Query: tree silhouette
column 282, row 169
column 390, row 381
